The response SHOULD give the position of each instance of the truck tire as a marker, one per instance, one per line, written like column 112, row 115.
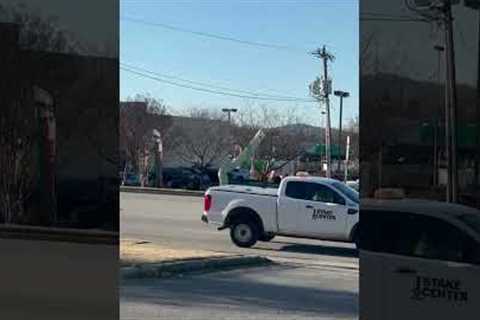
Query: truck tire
column 244, row 233
column 356, row 239
column 266, row 237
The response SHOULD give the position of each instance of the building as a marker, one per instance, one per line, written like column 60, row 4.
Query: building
column 409, row 152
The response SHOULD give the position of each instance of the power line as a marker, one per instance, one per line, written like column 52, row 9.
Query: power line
column 210, row 85
column 173, row 83
column 388, row 15
column 216, row 36
column 392, row 19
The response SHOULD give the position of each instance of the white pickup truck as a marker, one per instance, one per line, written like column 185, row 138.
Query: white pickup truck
column 304, row 207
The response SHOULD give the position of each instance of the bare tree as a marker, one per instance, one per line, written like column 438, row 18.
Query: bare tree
column 44, row 34
column 19, row 122
column 284, row 136
column 18, row 137
column 41, row 33
column 203, row 139
column 139, row 116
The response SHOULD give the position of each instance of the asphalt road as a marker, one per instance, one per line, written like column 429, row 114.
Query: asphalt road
column 299, row 287
column 58, row 280
column 278, row 292
column 175, row 221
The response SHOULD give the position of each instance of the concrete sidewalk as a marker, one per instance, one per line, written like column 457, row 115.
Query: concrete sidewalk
column 141, row 259
column 135, row 252
column 167, row 191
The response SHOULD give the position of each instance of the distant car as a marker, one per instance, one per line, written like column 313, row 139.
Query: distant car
column 239, row 175
column 354, row 184
column 132, row 179
column 419, row 257
column 186, row 178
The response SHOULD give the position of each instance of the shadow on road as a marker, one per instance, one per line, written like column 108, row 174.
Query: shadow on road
column 243, row 291
column 313, row 249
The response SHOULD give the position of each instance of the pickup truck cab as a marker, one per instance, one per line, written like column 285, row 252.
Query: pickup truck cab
column 419, row 257
column 305, row 207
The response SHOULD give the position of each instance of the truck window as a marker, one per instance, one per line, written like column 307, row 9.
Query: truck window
column 321, row 193
column 296, row 190
column 312, row 192
column 380, row 232
column 347, row 191
column 440, row 241
column 415, row 236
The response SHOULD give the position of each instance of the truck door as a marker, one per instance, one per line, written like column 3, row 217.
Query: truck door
column 312, row 209
column 427, row 270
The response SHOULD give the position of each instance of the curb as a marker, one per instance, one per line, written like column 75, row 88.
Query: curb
column 169, row 269
column 59, row 234
column 174, row 192
column 345, row 266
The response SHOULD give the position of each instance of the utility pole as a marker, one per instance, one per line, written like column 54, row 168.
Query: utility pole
column 324, row 55
column 477, row 133
column 475, row 5
column 341, row 94
column 444, row 8
column 451, row 97
column 440, row 49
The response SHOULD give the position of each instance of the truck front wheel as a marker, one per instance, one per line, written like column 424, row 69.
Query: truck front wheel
column 244, row 233
column 356, row 239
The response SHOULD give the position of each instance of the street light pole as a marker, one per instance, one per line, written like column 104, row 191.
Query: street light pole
column 158, row 151
column 45, row 112
column 341, row 94
column 229, row 112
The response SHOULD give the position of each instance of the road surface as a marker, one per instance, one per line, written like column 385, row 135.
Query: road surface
column 298, row 288
column 277, row 292
column 58, row 280
column 175, row 221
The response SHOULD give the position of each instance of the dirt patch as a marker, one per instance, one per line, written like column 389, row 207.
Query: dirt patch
column 134, row 252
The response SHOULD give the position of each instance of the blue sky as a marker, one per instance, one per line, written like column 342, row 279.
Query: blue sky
column 300, row 25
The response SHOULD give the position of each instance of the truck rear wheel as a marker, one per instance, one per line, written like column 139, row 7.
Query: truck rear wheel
column 266, row 237
column 244, row 233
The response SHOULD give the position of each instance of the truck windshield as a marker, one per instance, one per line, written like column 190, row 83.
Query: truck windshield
column 347, row 191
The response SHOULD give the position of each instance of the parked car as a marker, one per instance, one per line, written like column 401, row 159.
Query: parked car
column 186, row 178
column 309, row 207
column 213, row 176
column 354, row 184
column 239, row 175
column 132, row 179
